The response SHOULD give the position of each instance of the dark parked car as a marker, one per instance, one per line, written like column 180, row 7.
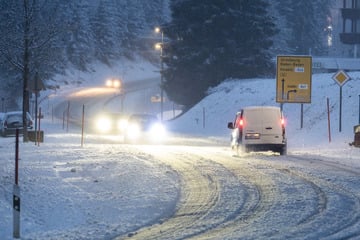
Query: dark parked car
column 10, row 121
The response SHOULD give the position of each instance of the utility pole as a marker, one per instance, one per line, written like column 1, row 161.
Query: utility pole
column 26, row 70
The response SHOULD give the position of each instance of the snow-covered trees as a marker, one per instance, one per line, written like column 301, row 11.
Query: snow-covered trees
column 51, row 36
column 207, row 41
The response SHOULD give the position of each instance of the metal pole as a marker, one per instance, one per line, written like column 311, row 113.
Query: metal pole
column 16, row 192
column 17, row 157
column 67, row 117
column 39, row 131
column 82, row 126
column 203, row 117
column 359, row 109
column 302, row 116
column 36, row 115
column 328, row 113
column 63, row 122
column 16, row 211
column 162, row 77
column 340, row 113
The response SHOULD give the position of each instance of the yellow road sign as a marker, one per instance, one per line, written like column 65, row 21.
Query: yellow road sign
column 341, row 77
column 293, row 79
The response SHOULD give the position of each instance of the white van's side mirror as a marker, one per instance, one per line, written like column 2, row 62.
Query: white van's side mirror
column 230, row 125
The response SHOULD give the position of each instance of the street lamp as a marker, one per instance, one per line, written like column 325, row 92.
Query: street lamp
column 159, row 46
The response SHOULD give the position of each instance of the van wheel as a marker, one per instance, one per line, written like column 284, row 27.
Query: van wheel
column 246, row 149
column 283, row 151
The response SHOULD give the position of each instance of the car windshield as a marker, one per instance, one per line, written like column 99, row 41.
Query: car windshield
column 14, row 118
column 143, row 118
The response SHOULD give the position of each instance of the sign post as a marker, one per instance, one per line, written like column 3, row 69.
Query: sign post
column 340, row 77
column 293, row 80
column 36, row 85
column 16, row 192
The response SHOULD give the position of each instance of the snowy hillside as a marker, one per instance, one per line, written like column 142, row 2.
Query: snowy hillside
column 211, row 115
column 221, row 105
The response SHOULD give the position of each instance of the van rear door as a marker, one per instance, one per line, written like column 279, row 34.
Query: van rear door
column 263, row 125
column 252, row 123
column 271, row 121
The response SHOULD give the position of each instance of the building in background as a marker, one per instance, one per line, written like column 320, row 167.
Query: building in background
column 350, row 35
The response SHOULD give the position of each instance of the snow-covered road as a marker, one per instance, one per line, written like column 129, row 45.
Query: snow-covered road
column 259, row 196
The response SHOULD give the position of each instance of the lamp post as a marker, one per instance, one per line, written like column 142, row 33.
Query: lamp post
column 159, row 46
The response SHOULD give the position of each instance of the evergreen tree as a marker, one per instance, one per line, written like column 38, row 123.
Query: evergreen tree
column 101, row 29
column 304, row 23
column 78, row 36
column 27, row 46
column 209, row 41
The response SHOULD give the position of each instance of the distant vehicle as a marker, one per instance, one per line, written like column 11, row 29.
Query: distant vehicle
column 10, row 121
column 110, row 123
column 144, row 128
column 259, row 129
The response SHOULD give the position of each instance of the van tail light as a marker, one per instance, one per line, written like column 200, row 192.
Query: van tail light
column 241, row 123
column 282, row 122
column 283, row 126
column 241, row 127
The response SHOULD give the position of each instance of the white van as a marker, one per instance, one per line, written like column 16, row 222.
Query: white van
column 259, row 128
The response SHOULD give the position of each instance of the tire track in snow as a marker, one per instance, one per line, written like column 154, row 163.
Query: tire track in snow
column 333, row 181
column 256, row 196
column 205, row 192
column 312, row 221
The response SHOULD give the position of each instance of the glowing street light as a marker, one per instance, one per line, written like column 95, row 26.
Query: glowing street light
column 157, row 29
column 158, row 46
column 113, row 83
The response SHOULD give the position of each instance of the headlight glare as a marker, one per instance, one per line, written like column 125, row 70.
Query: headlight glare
column 133, row 131
column 103, row 124
column 157, row 132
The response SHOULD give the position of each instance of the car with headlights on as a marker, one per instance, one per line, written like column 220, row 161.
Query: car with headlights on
column 144, row 128
column 10, row 121
column 110, row 123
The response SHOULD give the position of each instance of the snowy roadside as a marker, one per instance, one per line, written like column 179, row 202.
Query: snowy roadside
column 73, row 192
